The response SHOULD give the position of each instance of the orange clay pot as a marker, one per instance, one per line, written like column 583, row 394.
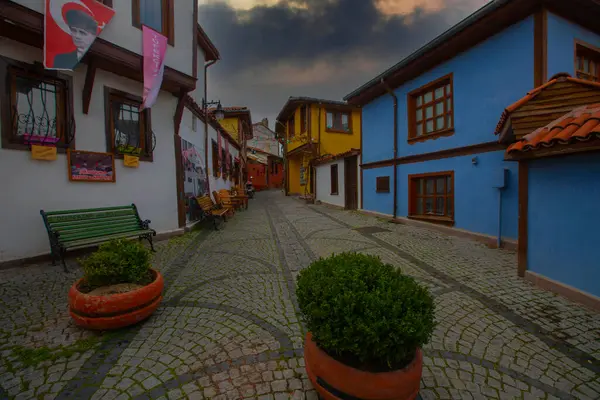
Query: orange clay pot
column 115, row 310
column 333, row 379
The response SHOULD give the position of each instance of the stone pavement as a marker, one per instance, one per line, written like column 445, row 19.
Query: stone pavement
column 228, row 327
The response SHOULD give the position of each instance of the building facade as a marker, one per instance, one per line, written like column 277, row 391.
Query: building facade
column 315, row 129
column 265, row 161
column 429, row 153
column 236, row 131
column 96, row 101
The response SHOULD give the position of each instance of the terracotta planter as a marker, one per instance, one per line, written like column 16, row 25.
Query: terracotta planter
column 334, row 380
column 115, row 310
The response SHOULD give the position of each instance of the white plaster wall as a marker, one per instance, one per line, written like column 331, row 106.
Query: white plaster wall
column 218, row 183
column 27, row 185
column 198, row 93
column 324, row 183
column 264, row 139
column 121, row 32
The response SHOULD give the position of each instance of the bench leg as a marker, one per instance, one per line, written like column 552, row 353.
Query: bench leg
column 62, row 259
column 215, row 221
column 149, row 237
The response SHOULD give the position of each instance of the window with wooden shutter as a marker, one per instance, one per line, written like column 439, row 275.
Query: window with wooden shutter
column 303, row 119
column 127, row 127
column 37, row 106
column 215, row 158
column 431, row 196
column 382, row 184
column 338, row 121
column 431, row 110
column 155, row 14
column 587, row 62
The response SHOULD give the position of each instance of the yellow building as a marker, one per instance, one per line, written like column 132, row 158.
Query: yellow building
column 237, row 123
column 315, row 131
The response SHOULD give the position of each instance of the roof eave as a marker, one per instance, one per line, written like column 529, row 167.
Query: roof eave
column 370, row 90
column 211, row 53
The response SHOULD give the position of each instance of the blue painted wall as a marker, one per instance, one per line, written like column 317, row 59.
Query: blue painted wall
column 378, row 129
column 487, row 78
column 378, row 202
column 561, row 44
column 476, row 200
column 564, row 221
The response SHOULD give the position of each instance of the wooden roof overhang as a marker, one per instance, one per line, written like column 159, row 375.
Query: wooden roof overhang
column 26, row 26
column 294, row 102
column 489, row 20
column 306, row 148
column 545, row 104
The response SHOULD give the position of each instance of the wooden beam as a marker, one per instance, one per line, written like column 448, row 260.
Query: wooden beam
column 523, row 217
column 179, row 111
column 90, row 76
column 540, row 47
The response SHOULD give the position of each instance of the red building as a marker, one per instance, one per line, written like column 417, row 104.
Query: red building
column 263, row 175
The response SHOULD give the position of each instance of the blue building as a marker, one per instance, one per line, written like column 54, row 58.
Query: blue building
column 451, row 137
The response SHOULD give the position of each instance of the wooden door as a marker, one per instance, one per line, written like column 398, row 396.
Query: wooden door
column 351, row 182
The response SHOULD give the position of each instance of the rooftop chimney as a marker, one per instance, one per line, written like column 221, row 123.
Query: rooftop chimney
column 265, row 122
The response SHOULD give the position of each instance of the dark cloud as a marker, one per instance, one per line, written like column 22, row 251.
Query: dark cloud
column 350, row 36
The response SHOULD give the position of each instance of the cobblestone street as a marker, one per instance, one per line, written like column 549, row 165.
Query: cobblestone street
column 228, row 326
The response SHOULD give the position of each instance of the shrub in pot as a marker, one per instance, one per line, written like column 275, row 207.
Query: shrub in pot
column 367, row 323
column 118, row 288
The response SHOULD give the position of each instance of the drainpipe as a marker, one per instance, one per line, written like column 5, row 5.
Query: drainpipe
column 206, row 65
column 391, row 93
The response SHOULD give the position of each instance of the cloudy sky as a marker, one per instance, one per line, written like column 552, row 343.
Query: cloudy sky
column 273, row 49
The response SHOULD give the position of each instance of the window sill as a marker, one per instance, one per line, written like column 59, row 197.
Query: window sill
column 382, row 191
column 431, row 136
column 334, row 194
column 448, row 221
column 338, row 131
column 26, row 147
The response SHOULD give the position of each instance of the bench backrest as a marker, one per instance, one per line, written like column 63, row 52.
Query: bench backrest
column 92, row 222
column 217, row 197
column 205, row 203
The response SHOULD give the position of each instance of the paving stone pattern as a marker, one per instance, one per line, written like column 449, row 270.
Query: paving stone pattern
column 229, row 326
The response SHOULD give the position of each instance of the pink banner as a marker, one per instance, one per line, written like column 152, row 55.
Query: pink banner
column 227, row 166
column 155, row 49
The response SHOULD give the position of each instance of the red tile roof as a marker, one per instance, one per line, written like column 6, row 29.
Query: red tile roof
column 561, row 77
column 579, row 125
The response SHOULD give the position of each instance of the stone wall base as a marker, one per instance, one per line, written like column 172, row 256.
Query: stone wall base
column 567, row 291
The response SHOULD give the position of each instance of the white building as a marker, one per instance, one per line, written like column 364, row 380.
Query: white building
column 108, row 80
column 335, row 176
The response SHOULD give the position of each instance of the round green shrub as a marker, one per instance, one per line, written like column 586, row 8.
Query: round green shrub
column 363, row 312
column 117, row 261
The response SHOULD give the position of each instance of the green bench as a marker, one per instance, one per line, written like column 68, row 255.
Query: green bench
column 76, row 229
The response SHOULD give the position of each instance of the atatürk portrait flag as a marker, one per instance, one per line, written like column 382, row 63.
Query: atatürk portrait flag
column 70, row 28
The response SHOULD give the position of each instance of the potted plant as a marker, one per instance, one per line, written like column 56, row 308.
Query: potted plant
column 367, row 323
column 118, row 287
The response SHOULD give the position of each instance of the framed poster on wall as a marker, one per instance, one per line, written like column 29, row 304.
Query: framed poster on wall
column 89, row 166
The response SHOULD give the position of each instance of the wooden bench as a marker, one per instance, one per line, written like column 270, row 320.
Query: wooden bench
column 212, row 211
column 76, row 229
column 240, row 193
column 230, row 199
column 225, row 201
